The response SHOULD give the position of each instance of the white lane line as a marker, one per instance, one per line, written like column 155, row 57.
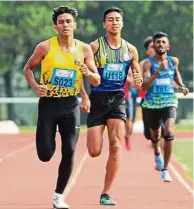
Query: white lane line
column 74, row 178
column 181, row 179
column 11, row 154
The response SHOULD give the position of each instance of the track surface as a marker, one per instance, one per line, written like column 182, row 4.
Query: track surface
column 27, row 183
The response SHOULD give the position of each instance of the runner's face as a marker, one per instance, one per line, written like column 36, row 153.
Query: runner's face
column 161, row 45
column 65, row 25
column 113, row 23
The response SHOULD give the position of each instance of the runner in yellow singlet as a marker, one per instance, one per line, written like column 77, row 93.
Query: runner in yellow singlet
column 64, row 60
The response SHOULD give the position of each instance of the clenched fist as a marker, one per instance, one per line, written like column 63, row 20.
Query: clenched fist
column 85, row 105
column 84, row 69
column 41, row 90
column 184, row 90
column 138, row 80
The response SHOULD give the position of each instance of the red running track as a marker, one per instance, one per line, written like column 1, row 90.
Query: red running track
column 27, row 183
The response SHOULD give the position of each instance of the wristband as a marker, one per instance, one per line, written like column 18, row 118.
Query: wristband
column 182, row 86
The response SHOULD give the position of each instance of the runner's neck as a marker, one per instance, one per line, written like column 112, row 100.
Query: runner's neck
column 114, row 40
column 67, row 45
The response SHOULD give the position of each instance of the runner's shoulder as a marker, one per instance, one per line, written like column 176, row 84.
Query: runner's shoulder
column 95, row 46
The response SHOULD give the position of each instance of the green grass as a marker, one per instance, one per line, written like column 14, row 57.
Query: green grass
column 183, row 153
column 183, row 127
column 24, row 129
column 178, row 127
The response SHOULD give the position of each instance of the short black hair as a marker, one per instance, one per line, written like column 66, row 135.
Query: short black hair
column 63, row 9
column 147, row 41
column 112, row 9
column 159, row 35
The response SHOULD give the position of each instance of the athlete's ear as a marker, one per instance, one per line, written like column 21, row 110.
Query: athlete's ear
column 122, row 25
column 75, row 25
column 168, row 47
column 104, row 25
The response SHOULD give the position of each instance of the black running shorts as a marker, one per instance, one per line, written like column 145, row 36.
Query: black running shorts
column 145, row 117
column 106, row 105
column 155, row 117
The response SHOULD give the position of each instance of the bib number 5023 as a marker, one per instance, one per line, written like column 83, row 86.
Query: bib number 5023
column 63, row 82
column 63, row 78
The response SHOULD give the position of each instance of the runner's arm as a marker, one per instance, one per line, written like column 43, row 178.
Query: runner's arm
column 130, row 77
column 38, row 55
column 83, row 92
column 141, row 66
column 85, row 102
column 93, row 76
column 178, row 78
column 148, row 79
column 136, row 71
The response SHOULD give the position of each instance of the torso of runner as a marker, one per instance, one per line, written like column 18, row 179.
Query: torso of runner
column 60, row 70
column 112, row 65
column 162, row 93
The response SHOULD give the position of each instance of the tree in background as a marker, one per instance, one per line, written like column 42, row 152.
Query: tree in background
column 24, row 24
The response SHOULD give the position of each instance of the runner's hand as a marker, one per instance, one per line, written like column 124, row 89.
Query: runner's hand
column 138, row 80
column 184, row 90
column 84, row 69
column 85, row 105
column 41, row 90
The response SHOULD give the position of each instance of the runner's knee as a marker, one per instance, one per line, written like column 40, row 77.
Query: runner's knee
column 94, row 152
column 147, row 134
column 45, row 156
column 169, row 137
column 168, row 131
column 155, row 138
column 115, row 147
column 45, row 151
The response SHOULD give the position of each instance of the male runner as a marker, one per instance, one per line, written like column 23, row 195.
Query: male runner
column 64, row 60
column 160, row 72
column 114, row 57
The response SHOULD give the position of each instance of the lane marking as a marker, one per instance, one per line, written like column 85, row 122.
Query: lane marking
column 181, row 179
column 11, row 154
column 74, row 178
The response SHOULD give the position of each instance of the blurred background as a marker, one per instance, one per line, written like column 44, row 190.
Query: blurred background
column 24, row 24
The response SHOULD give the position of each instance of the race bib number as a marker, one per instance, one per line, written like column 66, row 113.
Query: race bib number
column 114, row 72
column 163, row 86
column 63, row 78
